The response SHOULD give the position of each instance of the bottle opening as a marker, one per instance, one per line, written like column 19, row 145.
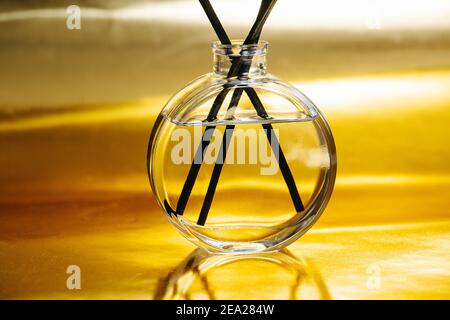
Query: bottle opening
column 252, row 57
column 237, row 47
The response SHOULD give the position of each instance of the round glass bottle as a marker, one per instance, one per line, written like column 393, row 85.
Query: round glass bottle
column 239, row 160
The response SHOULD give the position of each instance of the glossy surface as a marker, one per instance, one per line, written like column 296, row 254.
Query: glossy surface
column 392, row 222
column 73, row 186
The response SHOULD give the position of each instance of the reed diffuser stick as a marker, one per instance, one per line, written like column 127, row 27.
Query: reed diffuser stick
column 284, row 167
column 209, row 131
column 237, row 68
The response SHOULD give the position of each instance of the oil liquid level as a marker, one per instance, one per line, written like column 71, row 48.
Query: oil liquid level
column 251, row 200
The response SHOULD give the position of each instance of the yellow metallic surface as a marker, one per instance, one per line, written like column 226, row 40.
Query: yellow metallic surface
column 74, row 190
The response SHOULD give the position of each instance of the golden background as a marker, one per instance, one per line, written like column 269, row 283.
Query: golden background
column 76, row 108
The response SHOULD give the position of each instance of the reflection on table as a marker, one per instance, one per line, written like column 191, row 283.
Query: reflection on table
column 275, row 275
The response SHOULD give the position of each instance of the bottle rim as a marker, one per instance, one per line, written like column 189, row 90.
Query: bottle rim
column 237, row 47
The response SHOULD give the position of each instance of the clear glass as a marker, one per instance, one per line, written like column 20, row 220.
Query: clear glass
column 241, row 162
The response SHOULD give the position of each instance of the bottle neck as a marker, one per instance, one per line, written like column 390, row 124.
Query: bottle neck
column 244, row 61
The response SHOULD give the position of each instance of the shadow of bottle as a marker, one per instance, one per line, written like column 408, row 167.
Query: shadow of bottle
column 275, row 275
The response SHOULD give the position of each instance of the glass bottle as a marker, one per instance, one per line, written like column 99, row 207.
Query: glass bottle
column 239, row 160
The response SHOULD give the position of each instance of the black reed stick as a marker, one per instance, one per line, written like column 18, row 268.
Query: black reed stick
column 236, row 67
column 287, row 175
column 206, row 139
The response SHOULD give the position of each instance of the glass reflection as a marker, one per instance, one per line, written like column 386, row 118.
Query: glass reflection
column 275, row 275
